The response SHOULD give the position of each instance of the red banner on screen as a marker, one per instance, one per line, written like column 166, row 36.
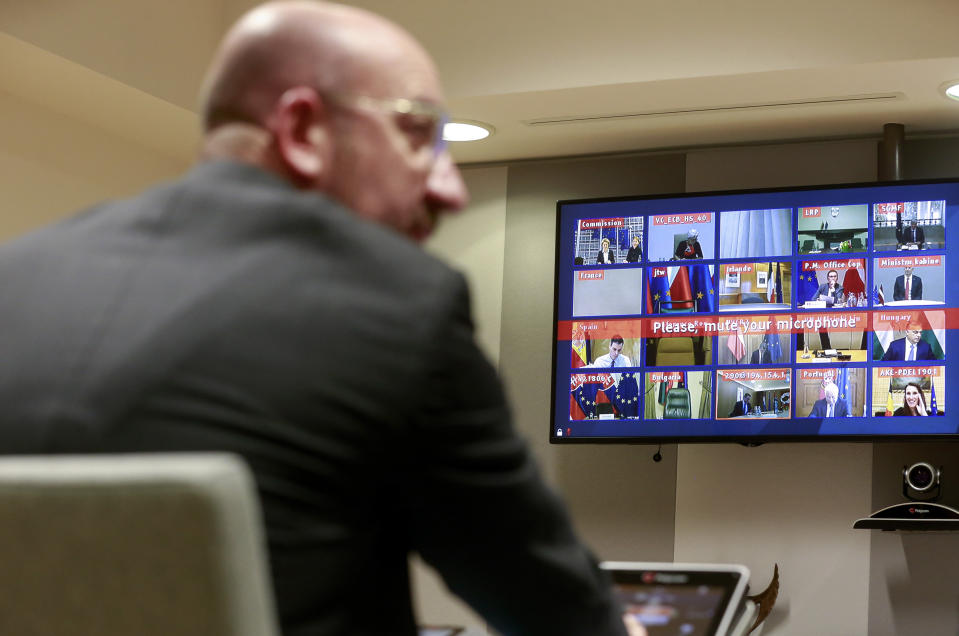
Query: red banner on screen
column 909, row 372
column 665, row 376
column 844, row 263
column 682, row 219
column 592, row 274
column 752, row 375
column 724, row 325
column 889, row 208
column 909, row 261
column 597, row 224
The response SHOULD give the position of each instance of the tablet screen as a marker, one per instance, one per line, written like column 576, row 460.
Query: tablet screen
column 681, row 600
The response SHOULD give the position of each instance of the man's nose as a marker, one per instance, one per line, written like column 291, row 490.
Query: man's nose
column 445, row 190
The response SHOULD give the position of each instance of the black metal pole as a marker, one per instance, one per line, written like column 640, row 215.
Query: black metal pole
column 890, row 152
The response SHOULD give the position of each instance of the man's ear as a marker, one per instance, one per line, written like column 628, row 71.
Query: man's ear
column 301, row 131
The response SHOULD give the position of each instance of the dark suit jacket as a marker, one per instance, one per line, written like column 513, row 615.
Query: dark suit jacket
column 897, row 350
column 766, row 357
column 739, row 409
column 634, row 255
column 904, row 410
column 684, row 251
column 907, row 235
column 899, row 288
column 599, row 257
column 226, row 311
column 838, row 294
column 819, row 408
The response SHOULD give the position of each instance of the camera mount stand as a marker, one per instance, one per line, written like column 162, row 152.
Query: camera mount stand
column 913, row 515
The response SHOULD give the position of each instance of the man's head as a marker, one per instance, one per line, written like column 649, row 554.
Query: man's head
column 339, row 101
column 748, row 397
column 832, row 276
column 913, row 333
column 832, row 393
column 907, row 271
column 912, row 223
column 615, row 347
column 692, row 236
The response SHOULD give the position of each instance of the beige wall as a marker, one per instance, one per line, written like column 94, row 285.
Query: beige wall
column 51, row 165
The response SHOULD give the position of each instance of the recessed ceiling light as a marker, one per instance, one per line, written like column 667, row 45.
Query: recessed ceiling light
column 951, row 89
column 466, row 131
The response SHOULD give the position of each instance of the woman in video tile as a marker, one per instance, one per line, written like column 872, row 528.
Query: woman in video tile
column 914, row 402
column 634, row 253
column 605, row 256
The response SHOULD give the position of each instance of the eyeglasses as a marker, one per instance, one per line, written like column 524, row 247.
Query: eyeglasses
column 422, row 121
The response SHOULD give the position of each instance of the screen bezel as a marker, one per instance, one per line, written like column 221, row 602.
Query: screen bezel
column 755, row 439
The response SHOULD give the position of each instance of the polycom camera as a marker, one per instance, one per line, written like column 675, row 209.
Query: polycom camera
column 920, row 482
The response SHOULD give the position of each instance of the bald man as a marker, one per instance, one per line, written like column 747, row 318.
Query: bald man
column 236, row 309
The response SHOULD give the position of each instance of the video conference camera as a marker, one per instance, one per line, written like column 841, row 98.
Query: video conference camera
column 921, row 482
column 921, row 486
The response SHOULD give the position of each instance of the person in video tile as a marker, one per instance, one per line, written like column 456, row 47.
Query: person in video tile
column 742, row 406
column 913, row 234
column 604, row 257
column 614, row 358
column 914, row 402
column 831, row 405
column 907, row 287
column 635, row 253
column 911, row 347
column 690, row 248
column 830, row 291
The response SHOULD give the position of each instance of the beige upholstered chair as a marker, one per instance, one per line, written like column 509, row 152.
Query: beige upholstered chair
column 132, row 545
column 676, row 351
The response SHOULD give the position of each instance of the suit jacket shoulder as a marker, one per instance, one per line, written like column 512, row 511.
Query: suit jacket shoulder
column 230, row 311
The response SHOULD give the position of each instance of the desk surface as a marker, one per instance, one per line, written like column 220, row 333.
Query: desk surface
column 806, row 305
column 858, row 355
column 910, row 303
column 754, row 307
column 768, row 415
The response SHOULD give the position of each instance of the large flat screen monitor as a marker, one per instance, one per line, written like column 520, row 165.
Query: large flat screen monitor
column 804, row 314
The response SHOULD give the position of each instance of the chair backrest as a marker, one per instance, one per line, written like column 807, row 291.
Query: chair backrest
column 132, row 545
column 675, row 351
column 677, row 404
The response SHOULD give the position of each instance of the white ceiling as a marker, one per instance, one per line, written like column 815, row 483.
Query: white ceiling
column 555, row 78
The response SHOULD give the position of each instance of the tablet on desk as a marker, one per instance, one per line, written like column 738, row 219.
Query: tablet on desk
column 684, row 599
